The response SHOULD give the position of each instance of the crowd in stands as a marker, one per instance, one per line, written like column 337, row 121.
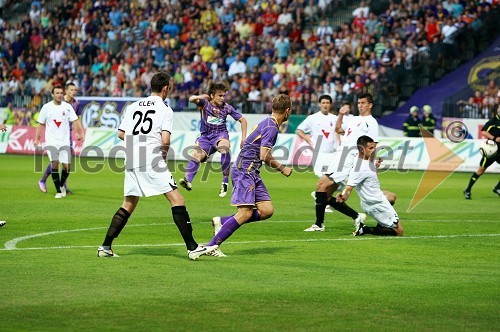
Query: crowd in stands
column 482, row 105
column 259, row 47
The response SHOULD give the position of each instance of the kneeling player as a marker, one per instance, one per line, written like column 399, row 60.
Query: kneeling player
column 374, row 201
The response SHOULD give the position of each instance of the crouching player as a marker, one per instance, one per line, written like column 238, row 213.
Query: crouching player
column 374, row 201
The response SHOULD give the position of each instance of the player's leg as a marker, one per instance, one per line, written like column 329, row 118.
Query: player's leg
column 223, row 147
column 496, row 190
column 118, row 222
column 391, row 197
column 42, row 184
column 181, row 218
column 232, row 223
column 64, row 160
column 326, row 186
column 244, row 197
column 483, row 165
column 388, row 223
column 55, row 178
column 200, row 154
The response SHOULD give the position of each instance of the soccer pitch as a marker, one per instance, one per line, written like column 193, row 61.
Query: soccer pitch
column 443, row 275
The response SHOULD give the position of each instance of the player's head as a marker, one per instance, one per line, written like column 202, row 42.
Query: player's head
column 217, row 92
column 57, row 93
column 365, row 104
column 70, row 89
column 282, row 104
column 325, row 104
column 366, row 146
column 160, row 84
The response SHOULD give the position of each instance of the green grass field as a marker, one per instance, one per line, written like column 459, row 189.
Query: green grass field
column 442, row 276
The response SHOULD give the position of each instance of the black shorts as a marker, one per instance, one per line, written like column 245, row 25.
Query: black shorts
column 487, row 162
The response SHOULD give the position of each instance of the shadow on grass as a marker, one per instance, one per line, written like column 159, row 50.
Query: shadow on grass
column 260, row 251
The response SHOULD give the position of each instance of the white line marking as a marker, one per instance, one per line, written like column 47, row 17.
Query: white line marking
column 12, row 244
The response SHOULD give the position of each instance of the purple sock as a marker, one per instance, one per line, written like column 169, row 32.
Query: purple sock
column 255, row 216
column 225, row 232
column 48, row 171
column 225, row 160
column 224, row 219
column 191, row 170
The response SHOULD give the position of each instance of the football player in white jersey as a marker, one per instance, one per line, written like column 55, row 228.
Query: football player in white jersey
column 374, row 202
column 343, row 161
column 54, row 118
column 146, row 129
column 318, row 131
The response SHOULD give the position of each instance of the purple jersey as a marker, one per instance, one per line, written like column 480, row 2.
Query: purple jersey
column 213, row 118
column 263, row 135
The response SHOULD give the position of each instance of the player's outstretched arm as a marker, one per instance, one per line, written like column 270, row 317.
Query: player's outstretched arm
column 196, row 98
column 79, row 129
column 267, row 157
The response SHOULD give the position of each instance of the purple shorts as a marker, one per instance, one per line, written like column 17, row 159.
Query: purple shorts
column 208, row 143
column 248, row 188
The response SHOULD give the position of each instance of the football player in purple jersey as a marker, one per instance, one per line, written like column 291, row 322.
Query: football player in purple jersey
column 250, row 194
column 214, row 135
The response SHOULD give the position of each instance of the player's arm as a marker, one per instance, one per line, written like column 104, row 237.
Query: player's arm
column 38, row 135
column 338, row 124
column 195, row 99
column 165, row 143
column 79, row 129
column 344, row 196
column 121, row 134
column 304, row 136
column 488, row 135
column 244, row 125
column 267, row 157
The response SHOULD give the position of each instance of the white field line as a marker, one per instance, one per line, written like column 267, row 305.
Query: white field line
column 12, row 244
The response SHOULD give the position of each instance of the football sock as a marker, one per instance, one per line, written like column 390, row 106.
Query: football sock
column 225, row 160
column 183, row 223
column 57, row 182
column 224, row 219
column 320, row 208
column 255, row 216
column 472, row 181
column 64, row 176
column 225, row 232
column 48, row 170
column 343, row 208
column 192, row 169
column 379, row 230
column 117, row 223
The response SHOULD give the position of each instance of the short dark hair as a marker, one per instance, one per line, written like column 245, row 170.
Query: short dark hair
column 160, row 80
column 58, row 86
column 327, row 97
column 367, row 96
column 364, row 140
column 213, row 87
column 68, row 85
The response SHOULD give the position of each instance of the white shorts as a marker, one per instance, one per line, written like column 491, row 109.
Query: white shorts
column 383, row 213
column 148, row 181
column 341, row 165
column 62, row 154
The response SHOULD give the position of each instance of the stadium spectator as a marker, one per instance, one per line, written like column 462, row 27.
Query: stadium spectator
column 428, row 120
